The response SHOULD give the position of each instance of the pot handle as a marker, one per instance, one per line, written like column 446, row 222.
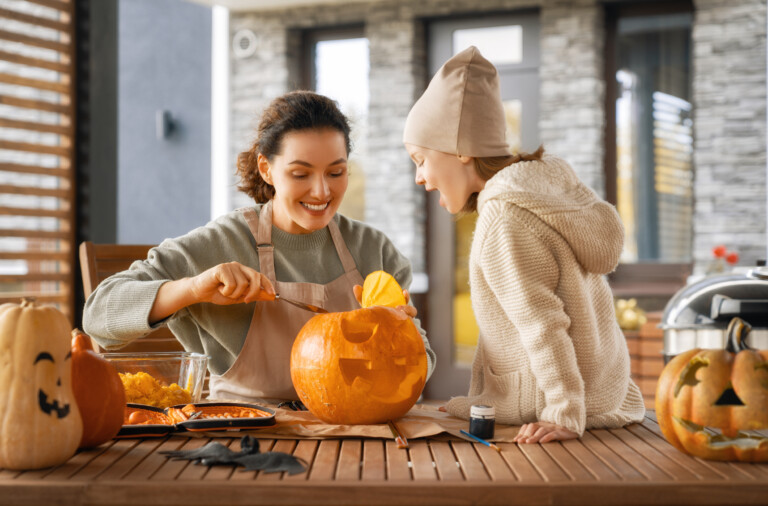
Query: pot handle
column 724, row 307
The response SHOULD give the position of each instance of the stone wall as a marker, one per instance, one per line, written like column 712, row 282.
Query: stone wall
column 729, row 63
column 729, row 96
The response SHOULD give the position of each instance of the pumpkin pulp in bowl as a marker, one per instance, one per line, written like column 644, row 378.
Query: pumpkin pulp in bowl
column 161, row 379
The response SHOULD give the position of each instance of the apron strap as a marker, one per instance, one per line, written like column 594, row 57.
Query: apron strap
column 341, row 248
column 261, row 229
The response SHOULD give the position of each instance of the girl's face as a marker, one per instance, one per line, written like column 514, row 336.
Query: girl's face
column 310, row 178
column 453, row 175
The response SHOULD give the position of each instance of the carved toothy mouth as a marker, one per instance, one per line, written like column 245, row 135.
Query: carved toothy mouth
column 715, row 439
column 49, row 407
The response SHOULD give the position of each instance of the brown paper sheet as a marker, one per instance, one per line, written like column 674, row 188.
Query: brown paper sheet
column 421, row 421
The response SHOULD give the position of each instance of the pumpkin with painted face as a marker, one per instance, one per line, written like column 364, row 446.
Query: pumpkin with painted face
column 708, row 400
column 40, row 424
column 359, row 367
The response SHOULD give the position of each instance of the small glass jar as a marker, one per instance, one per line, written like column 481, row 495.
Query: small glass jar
column 482, row 421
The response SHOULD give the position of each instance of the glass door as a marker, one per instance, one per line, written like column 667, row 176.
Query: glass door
column 511, row 43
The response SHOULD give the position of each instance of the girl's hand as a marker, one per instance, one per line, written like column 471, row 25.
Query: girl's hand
column 231, row 283
column 543, row 432
column 408, row 310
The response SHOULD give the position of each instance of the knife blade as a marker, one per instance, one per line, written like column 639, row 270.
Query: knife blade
column 308, row 307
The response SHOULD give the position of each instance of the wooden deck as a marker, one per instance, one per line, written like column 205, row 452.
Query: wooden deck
column 633, row 465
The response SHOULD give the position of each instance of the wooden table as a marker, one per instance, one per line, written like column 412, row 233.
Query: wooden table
column 633, row 465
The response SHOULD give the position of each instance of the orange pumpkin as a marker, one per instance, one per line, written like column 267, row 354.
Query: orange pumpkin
column 706, row 399
column 98, row 390
column 359, row 367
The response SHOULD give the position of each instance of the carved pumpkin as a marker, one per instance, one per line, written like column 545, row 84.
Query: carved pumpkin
column 40, row 424
column 359, row 367
column 98, row 390
column 706, row 399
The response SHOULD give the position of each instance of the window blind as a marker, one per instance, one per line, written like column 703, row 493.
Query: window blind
column 37, row 172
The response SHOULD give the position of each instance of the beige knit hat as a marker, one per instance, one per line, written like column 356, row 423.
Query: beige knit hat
column 460, row 112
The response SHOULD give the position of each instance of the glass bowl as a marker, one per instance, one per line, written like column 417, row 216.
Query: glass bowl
column 161, row 379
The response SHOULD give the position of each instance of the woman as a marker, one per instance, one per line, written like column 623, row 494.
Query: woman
column 550, row 356
column 215, row 286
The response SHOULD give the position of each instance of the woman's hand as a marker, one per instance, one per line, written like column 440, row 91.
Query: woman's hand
column 543, row 432
column 231, row 283
column 407, row 309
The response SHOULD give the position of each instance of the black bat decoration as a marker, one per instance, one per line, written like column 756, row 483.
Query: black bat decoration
column 248, row 456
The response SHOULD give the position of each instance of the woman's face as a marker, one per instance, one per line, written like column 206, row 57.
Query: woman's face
column 310, row 178
column 453, row 175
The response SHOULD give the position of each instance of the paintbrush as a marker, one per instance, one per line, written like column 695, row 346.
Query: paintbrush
column 399, row 438
column 480, row 440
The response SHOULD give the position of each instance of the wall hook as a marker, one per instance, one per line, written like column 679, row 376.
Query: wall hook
column 164, row 124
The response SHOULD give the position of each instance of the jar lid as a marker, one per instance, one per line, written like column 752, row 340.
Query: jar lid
column 482, row 410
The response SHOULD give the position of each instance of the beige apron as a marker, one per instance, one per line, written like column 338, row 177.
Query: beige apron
column 262, row 369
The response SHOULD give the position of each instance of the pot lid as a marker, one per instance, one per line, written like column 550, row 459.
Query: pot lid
column 713, row 301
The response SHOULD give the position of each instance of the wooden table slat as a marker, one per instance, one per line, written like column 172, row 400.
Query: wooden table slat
column 373, row 460
column 543, row 463
column 281, row 445
column 193, row 471
column 471, row 465
column 130, row 460
column 102, row 462
column 674, row 469
column 421, row 459
column 68, row 468
column 171, row 469
column 219, row 473
column 572, row 467
column 646, row 468
column 494, row 464
column 591, row 462
column 611, row 459
column 521, row 467
column 445, row 461
column 660, row 444
column 349, row 465
column 324, row 466
column 398, row 462
column 306, row 449
column 155, row 461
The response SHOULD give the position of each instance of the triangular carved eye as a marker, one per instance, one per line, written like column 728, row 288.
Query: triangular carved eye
column 729, row 398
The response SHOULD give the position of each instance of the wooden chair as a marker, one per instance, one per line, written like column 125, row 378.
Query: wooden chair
column 98, row 262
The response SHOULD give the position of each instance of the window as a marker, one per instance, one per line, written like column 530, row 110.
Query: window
column 649, row 144
column 37, row 80
column 337, row 67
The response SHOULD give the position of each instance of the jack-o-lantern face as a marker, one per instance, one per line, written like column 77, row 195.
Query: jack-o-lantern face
column 39, row 421
column 707, row 399
column 359, row 367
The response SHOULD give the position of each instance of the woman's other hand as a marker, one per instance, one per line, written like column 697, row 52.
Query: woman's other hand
column 231, row 283
column 543, row 432
column 409, row 311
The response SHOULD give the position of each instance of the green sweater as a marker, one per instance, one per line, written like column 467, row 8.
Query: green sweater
column 117, row 312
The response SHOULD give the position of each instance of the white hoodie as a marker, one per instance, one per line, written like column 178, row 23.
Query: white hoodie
column 550, row 347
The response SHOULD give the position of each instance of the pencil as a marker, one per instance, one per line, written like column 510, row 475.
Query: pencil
column 399, row 438
column 480, row 440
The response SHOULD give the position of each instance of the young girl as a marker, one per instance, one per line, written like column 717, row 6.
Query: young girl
column 215, row 286
column 550, row 356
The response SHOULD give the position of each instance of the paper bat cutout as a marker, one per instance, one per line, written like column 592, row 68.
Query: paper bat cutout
column 248, row 456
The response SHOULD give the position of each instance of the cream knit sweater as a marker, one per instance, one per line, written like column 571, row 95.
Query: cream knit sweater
column 550, row 347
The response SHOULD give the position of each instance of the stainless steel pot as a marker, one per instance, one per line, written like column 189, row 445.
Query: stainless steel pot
column 698, row 314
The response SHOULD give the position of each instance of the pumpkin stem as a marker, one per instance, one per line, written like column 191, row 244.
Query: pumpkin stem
column 28, row 301
column 736, row 333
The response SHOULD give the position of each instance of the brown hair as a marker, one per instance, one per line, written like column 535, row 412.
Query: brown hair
column 294, row 111
column 488, row 166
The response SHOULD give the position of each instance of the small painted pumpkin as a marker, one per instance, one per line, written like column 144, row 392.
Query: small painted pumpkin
column 706, row 399
column 359, row 367
column 98, row 390
column 40, row 424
